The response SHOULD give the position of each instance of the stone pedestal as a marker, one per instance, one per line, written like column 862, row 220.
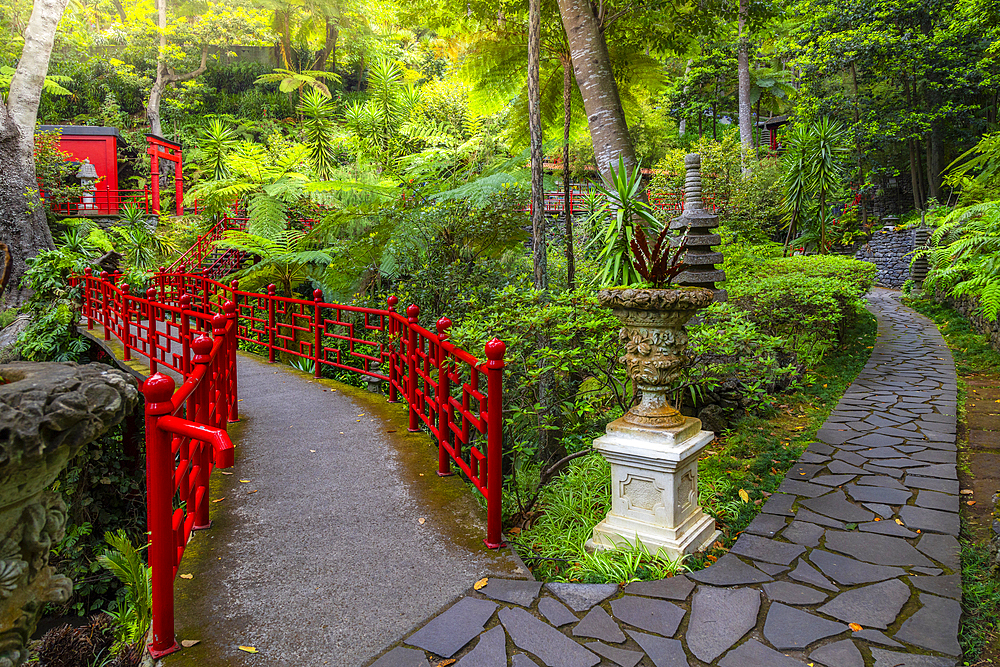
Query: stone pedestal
column 654, row 488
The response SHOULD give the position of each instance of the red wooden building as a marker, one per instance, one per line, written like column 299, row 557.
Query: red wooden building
column 100, row 146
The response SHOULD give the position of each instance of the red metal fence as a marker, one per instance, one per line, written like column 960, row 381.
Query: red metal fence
column 457, row 396
column 104, row 202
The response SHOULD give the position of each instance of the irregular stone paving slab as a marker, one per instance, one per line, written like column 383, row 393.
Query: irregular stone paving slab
column 818, row 519
column 663, row 652
column 940, row 471
column 789, row 593
column 878, row 494
column 883, row 511
column 836, row 506
column 808, row 575
column 875, row 480
column 876, row 637
column 521, row 660
column 402, row 657
column 806, row 534
column 766, row 525
column 619, row 656
column 803, row 471
column 581, row 597
column 677, row 587
column 942, row 485
column 838, row 654
column 885, row 658
column 850, row 457
column 934, row 626
column 820, row 448
column 936, row 500
column 513, row 591
column 771, row 551
column 841, row 468
column 882, row 470
column 656, row 616
column 455, row 628
column 800, row 488
column 770, row 568
column 877, row 549
column 886, row 528
column 949, row 586
column 779, row 503
column 848, row 572
column 942, row 548
column 880, row 453
column 932, row 521
column 790, row 628
column 813, row 457
column 729, row 571
column 874, row 606
column 752, row 652
column 551, row 646
column 491, row 651
column 719, row 618
column 929, row 571
column 832, row 480
column 598, row 624
column 556, row 612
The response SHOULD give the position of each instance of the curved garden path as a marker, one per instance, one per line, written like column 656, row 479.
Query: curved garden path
column 863, row 531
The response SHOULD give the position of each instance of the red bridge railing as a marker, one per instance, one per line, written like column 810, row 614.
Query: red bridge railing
column 457, row 396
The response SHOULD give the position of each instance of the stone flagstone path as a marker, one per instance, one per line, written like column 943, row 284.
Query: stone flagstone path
column 863, row 531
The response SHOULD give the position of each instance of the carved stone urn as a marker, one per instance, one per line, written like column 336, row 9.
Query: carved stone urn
column 48, row 412
column 653, row 449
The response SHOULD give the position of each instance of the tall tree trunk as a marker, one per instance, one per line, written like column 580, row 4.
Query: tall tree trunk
column 914, row 154
column 743, row 71
column 164, row 77
column 857, row 145
column 567, row 66
column 328, row 54
column 935, row 147
column 682, row 125
column 596, row 80
column 23, row 227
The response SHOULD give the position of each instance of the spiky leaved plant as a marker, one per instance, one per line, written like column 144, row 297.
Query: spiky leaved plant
column 657, row 265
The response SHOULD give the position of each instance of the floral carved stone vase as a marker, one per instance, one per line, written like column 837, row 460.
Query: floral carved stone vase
column 653, row 449
column 48, row 412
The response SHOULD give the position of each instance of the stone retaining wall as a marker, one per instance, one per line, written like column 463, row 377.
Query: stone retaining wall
column 890, row 252
column 969, row 308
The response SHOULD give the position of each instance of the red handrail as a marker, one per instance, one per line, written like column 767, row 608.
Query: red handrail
column 457, row 396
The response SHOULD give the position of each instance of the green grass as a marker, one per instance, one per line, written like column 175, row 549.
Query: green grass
column 753, row 457
column 971, row 350
column 980, row 600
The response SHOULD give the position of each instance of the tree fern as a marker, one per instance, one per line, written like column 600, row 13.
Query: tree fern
column 267, row 216
column 132, row 612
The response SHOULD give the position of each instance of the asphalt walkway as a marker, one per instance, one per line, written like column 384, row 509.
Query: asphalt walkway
column 854, row 562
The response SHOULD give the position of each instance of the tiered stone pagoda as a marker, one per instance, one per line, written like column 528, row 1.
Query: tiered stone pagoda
column 699, row 225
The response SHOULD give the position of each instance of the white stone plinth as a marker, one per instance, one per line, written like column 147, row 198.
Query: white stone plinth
column 654, row 488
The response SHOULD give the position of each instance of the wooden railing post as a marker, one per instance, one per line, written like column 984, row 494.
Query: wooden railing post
column 317, row 331
column 201, row 348
column 393, row 356
column 185, row 303
column 412, row 314
column 443, row 396
column 158, row 390
column 88, row 277
column 151, row 331
column 222, row 397
column 105, row 310
column 126, row 337
column 231, row 345
column 271, row 289
column 495, row 350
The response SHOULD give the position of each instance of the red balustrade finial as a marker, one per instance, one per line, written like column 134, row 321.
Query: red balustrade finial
column 126, row 287
column 317, row 294
column 88, row 271
column 229, row 307
column 163, row 269
column 219, row 324
column 202, row 348
column 235, row 285
column 495, row 349
column 104, row 275
column 392, row 301
column 158, row 390
column 412, row 312
column 443, row 325
column 271, row 289
column 151, row 293
column 185, row 300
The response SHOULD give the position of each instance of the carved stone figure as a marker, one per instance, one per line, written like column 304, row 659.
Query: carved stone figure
column 48, row 412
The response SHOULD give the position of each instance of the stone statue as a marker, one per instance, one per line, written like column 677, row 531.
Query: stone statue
column 48, row 412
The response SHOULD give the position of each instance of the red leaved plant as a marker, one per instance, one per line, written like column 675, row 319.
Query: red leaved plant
column 657, row 265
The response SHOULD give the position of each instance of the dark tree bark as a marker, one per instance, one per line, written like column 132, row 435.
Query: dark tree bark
column 596, row 80
column 567, row 66
column 22, row 219
column 329, row 51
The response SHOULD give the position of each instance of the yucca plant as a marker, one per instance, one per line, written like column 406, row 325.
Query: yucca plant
column 317, row 113
column 132, row 611
column 216, row 141
column 624, row 194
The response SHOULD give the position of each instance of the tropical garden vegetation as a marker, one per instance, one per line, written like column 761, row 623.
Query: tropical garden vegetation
column 421, row 136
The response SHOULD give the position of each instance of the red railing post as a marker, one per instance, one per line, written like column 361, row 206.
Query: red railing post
column 88, row 276
column 221, row 397
column 317, row 332
column 443, row 395
column 495, row 350
column 105, row 310
column 185, row 333
column 412, row 313
column 158, row 390
column 151, row 332
column 271, row 289
column 126, row 337
column 201, row 459
column 231, row 345
column 393, row 356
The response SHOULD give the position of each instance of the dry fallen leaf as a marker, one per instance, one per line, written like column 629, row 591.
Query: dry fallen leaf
column 445, row 663
column 855, row 627
column 249, row 492
column 970, row 502
column 188, row 643
column 225, row 473
column 248, row 649
column 187, row 576
column 966, row 492
column 900, row 522
column 313, row 451
column 514, row 531
column 744, row 496
column 219, row 500
column 878, row 518
column 244, row 481
column 421, row 520
column 481, row 583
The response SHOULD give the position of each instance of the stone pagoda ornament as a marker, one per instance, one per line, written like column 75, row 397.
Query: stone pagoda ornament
column 653, row 449
column 698, row 224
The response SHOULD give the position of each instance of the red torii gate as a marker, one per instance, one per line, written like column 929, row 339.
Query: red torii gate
column 167, row 150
